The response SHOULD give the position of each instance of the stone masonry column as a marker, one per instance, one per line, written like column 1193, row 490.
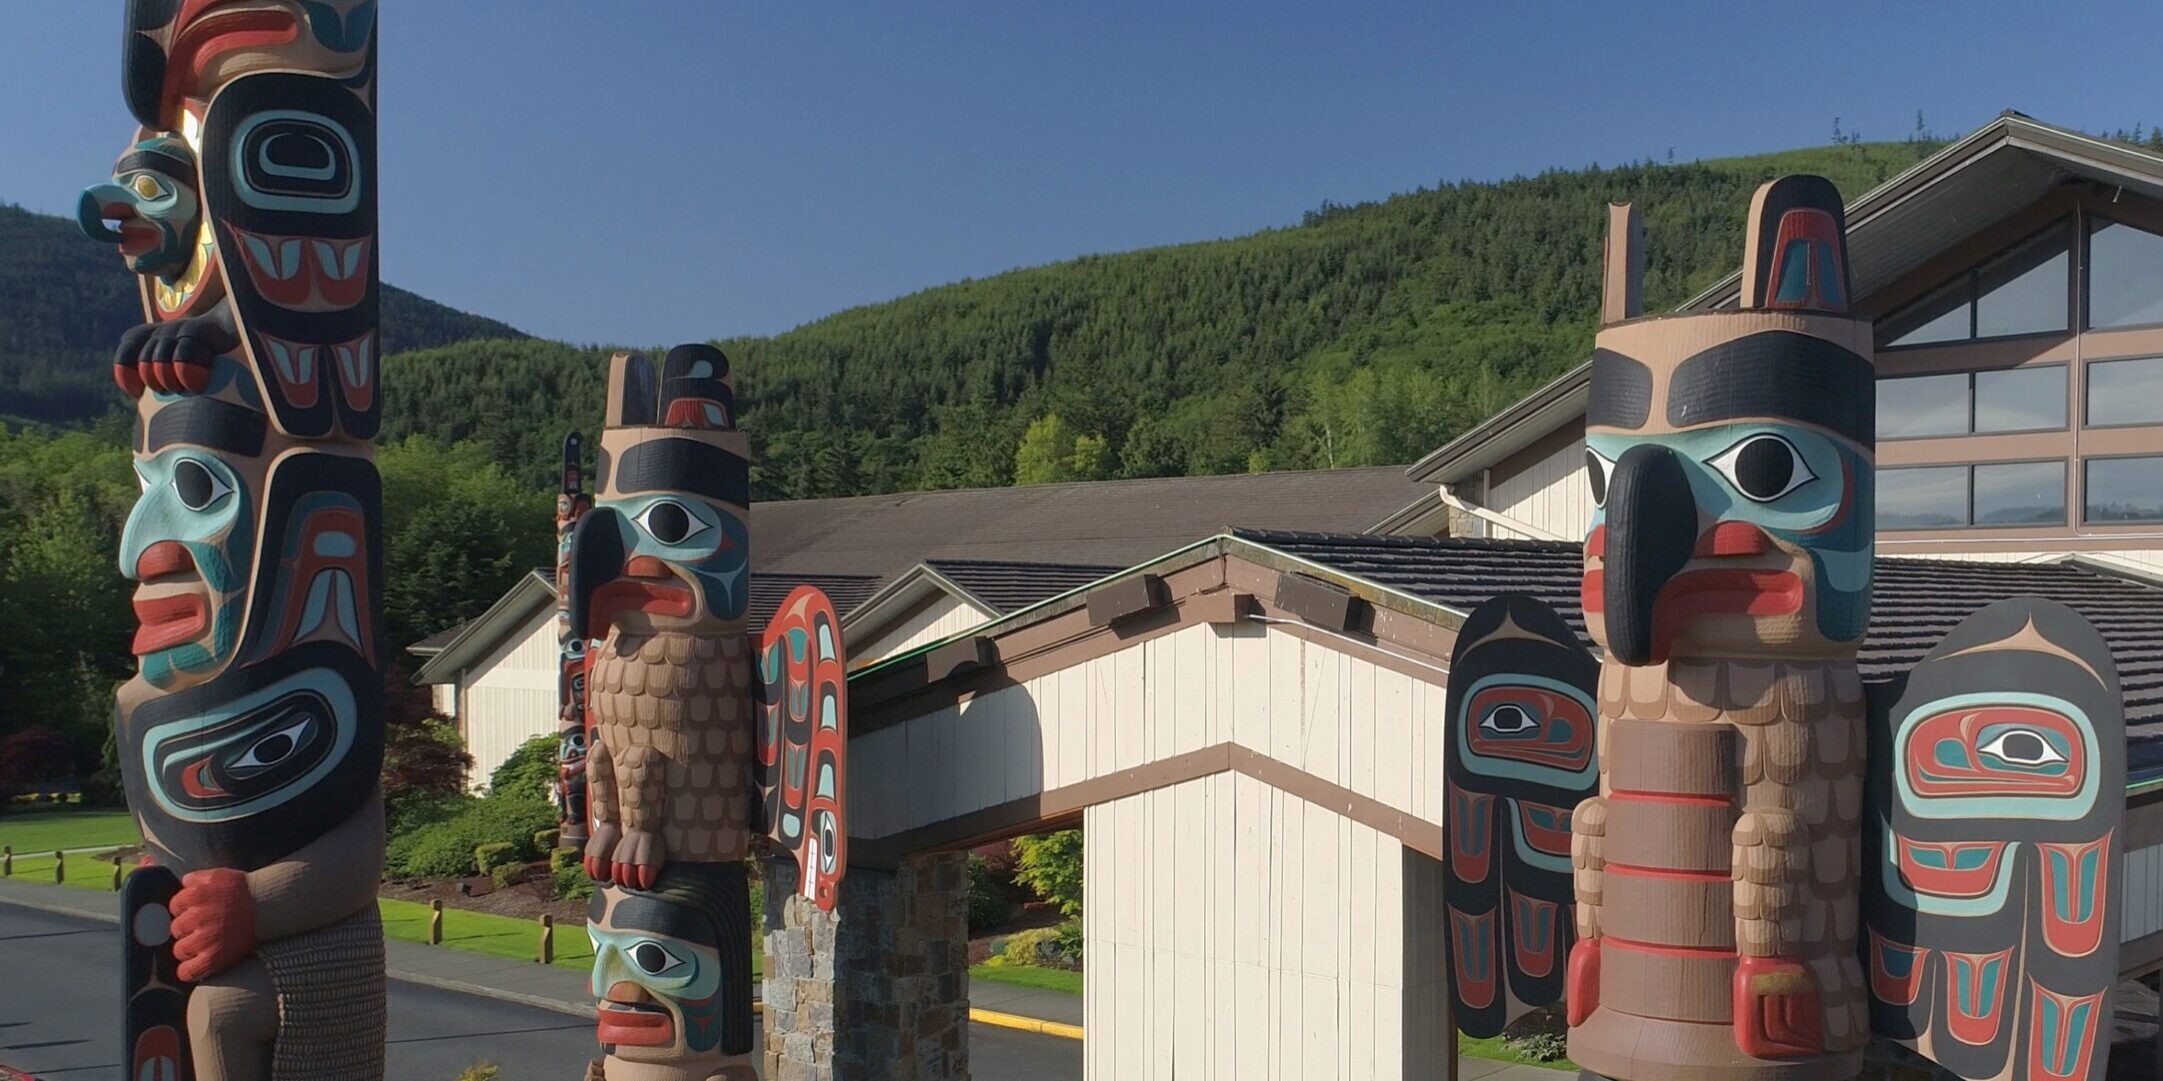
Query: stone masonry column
column 879, row 989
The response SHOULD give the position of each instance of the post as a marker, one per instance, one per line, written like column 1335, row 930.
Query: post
column 548, row 939
column 7, row 861
column 116, row 874
column 435, row 922
column 60, row 867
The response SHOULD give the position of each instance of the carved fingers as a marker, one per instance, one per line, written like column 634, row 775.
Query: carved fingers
column 213, row 922
column 1771, row 862
column 173, row 357
column 1588, row 833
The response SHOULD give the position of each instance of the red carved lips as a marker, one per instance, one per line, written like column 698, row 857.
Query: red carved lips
column 646, row 586
column 167, row 619
column 1705, row 591
column 628, row 1016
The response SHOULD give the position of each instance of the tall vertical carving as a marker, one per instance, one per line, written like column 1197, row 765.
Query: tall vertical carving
column 572, row 503
column 677, row 756
column 1778, row 862
column 251, row 735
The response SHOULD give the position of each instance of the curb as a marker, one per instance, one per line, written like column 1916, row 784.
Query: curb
column 1026, row 1024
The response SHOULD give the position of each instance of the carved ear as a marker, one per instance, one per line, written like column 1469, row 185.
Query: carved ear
column 696, row 390
column 1622, row 271
column 631, row 391
column 1795, row 254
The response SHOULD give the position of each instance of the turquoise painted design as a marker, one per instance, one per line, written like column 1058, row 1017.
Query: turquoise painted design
column 1962, row 808
column 341, row 32
column 2073, row 909
column 193, row 498
column 685, row 974
column 1489, row 766
column 1906, row 896
column 1533, row 856
column 320, row 601
column 1827, row 511
column 157, row 755
column 2064, row 1033
column 1977, row 987
column 162, row 199
column 715, row 549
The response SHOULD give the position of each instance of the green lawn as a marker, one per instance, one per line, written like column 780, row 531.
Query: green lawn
column 85, row 871
column 1494, row 1049
column 500, row 936
column 42, row 830
column 1048, row 979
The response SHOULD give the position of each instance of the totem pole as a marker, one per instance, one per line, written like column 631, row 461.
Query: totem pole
column 1757, row 809
column 679, row 745
column 251, row 736
column 572, row 502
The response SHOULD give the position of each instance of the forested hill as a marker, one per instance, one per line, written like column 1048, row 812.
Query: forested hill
column 1367, row 334
column 64, row 301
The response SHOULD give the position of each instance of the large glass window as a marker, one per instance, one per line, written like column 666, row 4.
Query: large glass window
column 1996, row 494
column 1985, row 403
column 2125, row 392
column 2125, row 275
column 2124, row 490
column 1932, row 498
column 2020, row 399
column 2020, row 493
column 2026, row 290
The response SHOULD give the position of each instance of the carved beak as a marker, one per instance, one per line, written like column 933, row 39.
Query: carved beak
column 596, row 560
column 1651, row 532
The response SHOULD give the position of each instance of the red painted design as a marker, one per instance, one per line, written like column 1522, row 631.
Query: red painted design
column 2071, row 1046
column 156, row 1054
column 1949, row 881
column 1471, row 834
column 206, row 35
column 1932, row 778
column 1887, row 987
column 1975, row 994
column 1473, row 938
column 2070, row 934
column 1551, row 839
column 1663, row 873
column 165, row 622
column 304, row 563
column 1821, row 237
column 1549, row 710
column 1776, row 1009
column 305, row 273
column 1535, row 953
column 630, row 1017
column 1733, row 539
column 1581, row 995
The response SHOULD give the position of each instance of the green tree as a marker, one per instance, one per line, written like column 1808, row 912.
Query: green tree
column 1051, row 864
column 529, row 771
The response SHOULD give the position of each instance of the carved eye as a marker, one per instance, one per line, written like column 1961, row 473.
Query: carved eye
column 671, row 522
column 196, row 485
column 272, row 749
column 147, row 186
column 1763, row 467
column 653, row 959
column 2022, row 747
column 1597, row 470
column 1508, row 720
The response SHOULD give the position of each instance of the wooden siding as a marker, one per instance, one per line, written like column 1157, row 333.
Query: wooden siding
column 1549, row 493
column 2143, row 912
column 1237, row 931
column 509, row 697
column 1347, row 721
column 946, row 615
column 443, row 697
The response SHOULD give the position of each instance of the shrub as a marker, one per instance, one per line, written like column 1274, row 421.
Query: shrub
column 571, row 883
column 447, row 847
column 1070, row 939
column 560, row 858
column 757, row 879
column 990, row 901
column 1051, row 864
column 529, row 771
column 506, row 874
column 1037, row 948
column 545, row 840
column 1540, row 1046
column 487, row 857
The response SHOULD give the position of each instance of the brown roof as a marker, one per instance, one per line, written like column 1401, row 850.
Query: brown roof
column 1110, row 523
column 1010, row 586
column 1915, row 602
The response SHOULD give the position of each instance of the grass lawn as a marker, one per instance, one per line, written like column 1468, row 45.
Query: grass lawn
column 1047, row 979
column 1493, row 1049
column 500, row 936
column 85, row 871
column 44, row 830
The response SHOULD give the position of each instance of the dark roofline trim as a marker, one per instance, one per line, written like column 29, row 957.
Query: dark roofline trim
column 487, row 621
column 906, row 590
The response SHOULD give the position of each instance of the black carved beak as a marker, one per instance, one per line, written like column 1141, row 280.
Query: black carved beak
column 596, row 560
column 1651, row 532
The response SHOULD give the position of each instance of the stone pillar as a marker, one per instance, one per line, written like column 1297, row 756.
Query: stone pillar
column 879, row 989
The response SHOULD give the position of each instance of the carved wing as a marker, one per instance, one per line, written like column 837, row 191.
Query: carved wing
column 1519, row 759
column 156, row 1020
column 1991, row 849
column 803, row 739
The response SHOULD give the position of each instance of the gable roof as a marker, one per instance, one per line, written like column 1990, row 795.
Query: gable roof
column 1098, row 523
column 1970, row 184
column 1004, row 586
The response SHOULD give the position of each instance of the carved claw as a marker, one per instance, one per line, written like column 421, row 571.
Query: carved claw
column 1581, row 983
column 600, row 849
column 173, row 357
column 1776, row 1009
column 638, row 858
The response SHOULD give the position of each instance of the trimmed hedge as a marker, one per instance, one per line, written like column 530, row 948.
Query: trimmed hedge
column 447, row 847
column 494, row 854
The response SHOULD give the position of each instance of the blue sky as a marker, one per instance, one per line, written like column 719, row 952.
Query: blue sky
column 663, row 170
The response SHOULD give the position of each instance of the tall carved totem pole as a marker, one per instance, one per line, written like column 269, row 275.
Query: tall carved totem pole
column 251, row 736
column 693, row 749
column 1759, row 862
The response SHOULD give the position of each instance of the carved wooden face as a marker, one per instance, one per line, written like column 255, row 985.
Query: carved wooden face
column 178, row 50
column 151, row 210
column 671, row 966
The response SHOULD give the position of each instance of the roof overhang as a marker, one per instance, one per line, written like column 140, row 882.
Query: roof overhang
column 1965, row 187
column 908, row 590
column 532, row 595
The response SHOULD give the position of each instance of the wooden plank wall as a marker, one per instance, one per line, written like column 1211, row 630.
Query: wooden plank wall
column 1234, row 931
column 2143, row 912
column 947, row 615
column 509, row 697
column 1551, row 493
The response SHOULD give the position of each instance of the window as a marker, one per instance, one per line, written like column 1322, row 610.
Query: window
column 1932, row 498
column 1993, row 495
column 2125, row 392
column 2124, row 490
column 2020, row 493
column 2024, row 291
column 2125, row 275
column 1984, row 403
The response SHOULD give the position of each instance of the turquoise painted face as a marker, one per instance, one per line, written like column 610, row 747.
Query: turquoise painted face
column 150, row 209
column 1762, row 490
column 188, row 544
column 656, row 991
column 703, row 543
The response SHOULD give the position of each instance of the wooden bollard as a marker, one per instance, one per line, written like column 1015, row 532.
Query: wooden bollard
column 60, row 867
column 548, row 939
column 435, row 922
column 116, row 874
column 7, row 861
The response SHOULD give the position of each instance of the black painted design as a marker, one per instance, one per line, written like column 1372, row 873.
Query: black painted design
column 1777, row 373
column 684, row 465
column 208, row 422
column 1621, row 391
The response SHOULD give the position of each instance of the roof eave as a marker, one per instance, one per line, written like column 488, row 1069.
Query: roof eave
column 1509, row 431
column 516, row 604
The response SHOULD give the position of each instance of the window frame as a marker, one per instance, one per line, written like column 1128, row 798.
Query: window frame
column 2076, row 292
column 2087, row 393
column 2094, row 222
column 1969, row 524
column 2085, row 520
column 1970, row 375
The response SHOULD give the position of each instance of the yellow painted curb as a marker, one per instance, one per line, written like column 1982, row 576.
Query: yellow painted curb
column 1026, row 1024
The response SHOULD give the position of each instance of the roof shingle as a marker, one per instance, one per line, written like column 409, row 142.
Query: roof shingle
column 1010, row 586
